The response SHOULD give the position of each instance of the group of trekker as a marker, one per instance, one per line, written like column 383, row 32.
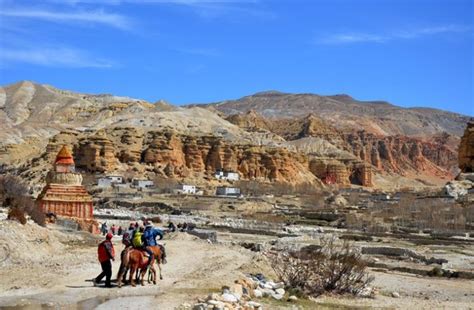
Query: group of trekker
column 136, row 236
column 104, row 229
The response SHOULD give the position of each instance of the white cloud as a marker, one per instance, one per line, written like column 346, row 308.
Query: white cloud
column 203, row 8
column 52, row 57
column 351, row 37
column 415, row 33
column 86, row 17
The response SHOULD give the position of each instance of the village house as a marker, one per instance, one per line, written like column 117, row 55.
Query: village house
column 227, row 175
column 187, row 190
column 142, row 183
column 108, row 180
column 227, row 191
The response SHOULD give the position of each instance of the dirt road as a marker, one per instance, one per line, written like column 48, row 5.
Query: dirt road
column 62, row 277
column 53, row 269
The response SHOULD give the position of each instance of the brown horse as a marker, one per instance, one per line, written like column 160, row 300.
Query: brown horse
column 134, row 260
column 158, row 258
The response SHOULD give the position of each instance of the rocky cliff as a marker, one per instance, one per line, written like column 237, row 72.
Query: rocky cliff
column 434, row 157
column 178, row 156
column 31, row 114
column 174, row 155
column 466, row 149
column 401, row 154
column 96, row 153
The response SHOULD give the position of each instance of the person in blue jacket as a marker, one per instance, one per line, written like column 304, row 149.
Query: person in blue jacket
column 149, row 238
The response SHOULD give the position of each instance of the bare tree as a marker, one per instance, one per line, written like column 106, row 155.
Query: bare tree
column 165, row 185
column 315, row 270
column 15, row 195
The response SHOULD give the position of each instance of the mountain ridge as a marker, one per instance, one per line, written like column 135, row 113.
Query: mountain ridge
column 335, row 137
column 378, row 117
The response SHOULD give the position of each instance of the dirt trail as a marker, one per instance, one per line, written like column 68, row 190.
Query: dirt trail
column 62, row 278
column 53, row 269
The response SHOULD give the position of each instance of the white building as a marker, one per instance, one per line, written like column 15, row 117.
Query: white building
column 227, row 191
column 108, row 180
column 227, row 175
column 142, row 183
column 186, row 189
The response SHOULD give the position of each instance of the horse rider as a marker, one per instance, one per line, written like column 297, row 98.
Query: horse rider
column 127, row 239
column 149, row 237
column 105, row 253
column 128, row 235
column 139, row 243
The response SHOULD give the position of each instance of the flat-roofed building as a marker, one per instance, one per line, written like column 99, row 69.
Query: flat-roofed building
column 186, row 189
column 227, row 191
column 227, row 175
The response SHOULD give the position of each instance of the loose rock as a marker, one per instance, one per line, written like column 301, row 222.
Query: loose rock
column 229, row 297
column 292, row 298
column 280, row 291
column 258, row 293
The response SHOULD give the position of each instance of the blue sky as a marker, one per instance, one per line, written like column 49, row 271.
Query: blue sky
column 408, row 52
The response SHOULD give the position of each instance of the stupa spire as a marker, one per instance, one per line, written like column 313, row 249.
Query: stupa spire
column 64, row 157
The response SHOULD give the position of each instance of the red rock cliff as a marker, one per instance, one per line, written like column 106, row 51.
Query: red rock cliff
column 466, row 149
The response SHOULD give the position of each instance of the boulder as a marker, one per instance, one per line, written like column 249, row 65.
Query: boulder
column 280, row 291
column 237, row 290
column 253, row 304
column 292, row 298
column 228, row 297
column 200, row 307
column 269, row 285
column 258, row 293
column 458, row 189
column 267, row 292
column 213, row 296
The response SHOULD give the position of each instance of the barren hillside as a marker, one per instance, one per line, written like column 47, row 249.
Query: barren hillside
column 268, row 137
column 345, row 112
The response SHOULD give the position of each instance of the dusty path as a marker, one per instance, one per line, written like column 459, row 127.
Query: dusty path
column 53, row 269
column 194, row 268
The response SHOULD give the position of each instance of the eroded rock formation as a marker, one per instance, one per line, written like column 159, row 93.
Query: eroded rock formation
column 401, row 154
column 404, row 155
column 177, row 155
column 96, row 153
column 466, row 149
column 333, row 171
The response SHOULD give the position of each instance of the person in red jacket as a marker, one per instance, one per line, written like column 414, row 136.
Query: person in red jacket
column 105, row 253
